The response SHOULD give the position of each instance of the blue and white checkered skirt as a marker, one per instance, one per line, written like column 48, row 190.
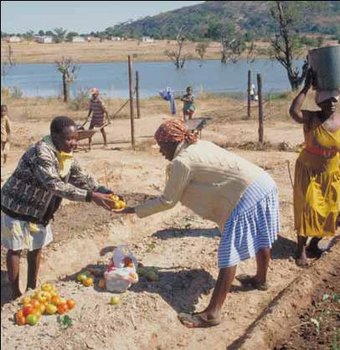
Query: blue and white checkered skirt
column 252, row 225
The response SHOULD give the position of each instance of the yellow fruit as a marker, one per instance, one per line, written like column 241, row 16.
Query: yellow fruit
column 121, row 204
column 114, row 300
column 88, row 282
column 42, row 308
column 43, row 296
column 47, row 287
column 51, row 309
column 81, row 277
column 25, row 300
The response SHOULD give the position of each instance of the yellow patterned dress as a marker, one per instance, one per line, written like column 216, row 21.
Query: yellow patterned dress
column 317, row 182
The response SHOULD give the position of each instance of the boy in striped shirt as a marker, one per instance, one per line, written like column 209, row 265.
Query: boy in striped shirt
column 98, row 110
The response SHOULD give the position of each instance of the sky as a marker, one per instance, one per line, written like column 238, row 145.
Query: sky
column 81, row 17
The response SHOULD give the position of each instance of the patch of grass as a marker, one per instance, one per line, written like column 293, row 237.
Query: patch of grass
column 273, row 96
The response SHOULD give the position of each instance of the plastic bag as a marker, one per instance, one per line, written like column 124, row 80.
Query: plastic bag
column 121, row 272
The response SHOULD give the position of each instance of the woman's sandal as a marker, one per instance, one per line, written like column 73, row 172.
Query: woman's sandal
column 247, row 280
column 196, row 320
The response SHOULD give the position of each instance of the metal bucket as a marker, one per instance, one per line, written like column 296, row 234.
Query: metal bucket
column 325, row 62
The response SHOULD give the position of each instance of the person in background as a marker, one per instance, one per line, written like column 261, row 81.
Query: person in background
column 317, row 171
column 5, row 132
column 46, row 173
column 218, row 185
column 188, row 105
column 99, row 114
column 253, row 95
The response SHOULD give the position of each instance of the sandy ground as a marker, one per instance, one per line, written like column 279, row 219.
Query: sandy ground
column 111, row 51
column 181, row 246
column 107, row 51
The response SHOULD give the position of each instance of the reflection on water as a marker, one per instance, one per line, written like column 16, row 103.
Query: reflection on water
column 112, row 78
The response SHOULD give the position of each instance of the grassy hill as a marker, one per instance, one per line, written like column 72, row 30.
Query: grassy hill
column 210, row 19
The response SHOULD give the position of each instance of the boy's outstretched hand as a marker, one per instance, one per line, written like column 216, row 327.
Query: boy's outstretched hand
column 103, row 200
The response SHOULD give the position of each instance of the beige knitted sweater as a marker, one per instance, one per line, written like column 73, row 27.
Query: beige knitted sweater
column 205, row 178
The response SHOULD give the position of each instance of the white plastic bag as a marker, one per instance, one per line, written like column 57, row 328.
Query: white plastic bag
column 121, row 273
column 120, row 253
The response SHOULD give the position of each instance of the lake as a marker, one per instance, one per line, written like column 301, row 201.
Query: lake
column 112, row 78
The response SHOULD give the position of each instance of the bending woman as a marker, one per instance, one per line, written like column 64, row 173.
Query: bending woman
column 220, row 186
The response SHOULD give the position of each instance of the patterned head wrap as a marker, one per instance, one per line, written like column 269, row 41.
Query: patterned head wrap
column 324, row 95
column 174, row 130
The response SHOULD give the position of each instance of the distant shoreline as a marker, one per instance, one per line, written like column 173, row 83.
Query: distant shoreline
column 110, row 51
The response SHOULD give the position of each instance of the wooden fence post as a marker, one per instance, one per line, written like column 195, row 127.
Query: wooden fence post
column 137, row 94
column 248, row 94
column 131, row 104
column 259, row 90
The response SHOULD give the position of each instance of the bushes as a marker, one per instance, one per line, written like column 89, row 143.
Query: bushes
column 11, row 92
column 81, row 101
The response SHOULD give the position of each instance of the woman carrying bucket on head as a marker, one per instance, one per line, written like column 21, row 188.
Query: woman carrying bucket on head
column 317, row 171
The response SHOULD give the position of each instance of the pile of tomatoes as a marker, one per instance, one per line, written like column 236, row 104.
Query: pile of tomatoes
column 44, row 301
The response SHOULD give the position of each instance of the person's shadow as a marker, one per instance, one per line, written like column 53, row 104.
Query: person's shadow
column 283, row 248
column 186, row 232
column 6, row 291
column 180, row 289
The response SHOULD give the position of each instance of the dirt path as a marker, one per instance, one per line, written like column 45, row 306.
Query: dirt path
column 180, row 245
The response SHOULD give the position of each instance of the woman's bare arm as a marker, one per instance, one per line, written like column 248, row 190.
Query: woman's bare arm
column 295, row 108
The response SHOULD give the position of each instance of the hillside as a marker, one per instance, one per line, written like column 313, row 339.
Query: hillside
column 210, row 19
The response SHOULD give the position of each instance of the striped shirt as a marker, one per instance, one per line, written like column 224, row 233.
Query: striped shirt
column 98, row 109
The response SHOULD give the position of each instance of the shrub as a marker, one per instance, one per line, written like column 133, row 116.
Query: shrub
column 81, row 100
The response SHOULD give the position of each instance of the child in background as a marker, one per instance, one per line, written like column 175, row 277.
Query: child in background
column 188, row 106
column 5, row 132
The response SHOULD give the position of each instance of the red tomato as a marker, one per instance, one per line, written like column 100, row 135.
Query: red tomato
column 55, row 299
column 62, row 308
column 35, row 303
column 71, row 304
column 27, row 309
column 20, row 318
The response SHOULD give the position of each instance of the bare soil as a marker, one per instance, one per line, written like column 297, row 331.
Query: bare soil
column 319, row 326
column 179, row 244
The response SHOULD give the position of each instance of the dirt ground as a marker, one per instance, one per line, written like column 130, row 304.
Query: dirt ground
column 180, row 245
column 319, row 326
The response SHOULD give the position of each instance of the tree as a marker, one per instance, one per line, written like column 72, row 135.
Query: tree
column 71, row 35
column 232, row 48
column 41, row 33
column 201, row 49
column 176, row 55
column 59, row 34
column 68, row 69
column 286, row 43
column 232, row 44
column 7, row 61
column 28, row 35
